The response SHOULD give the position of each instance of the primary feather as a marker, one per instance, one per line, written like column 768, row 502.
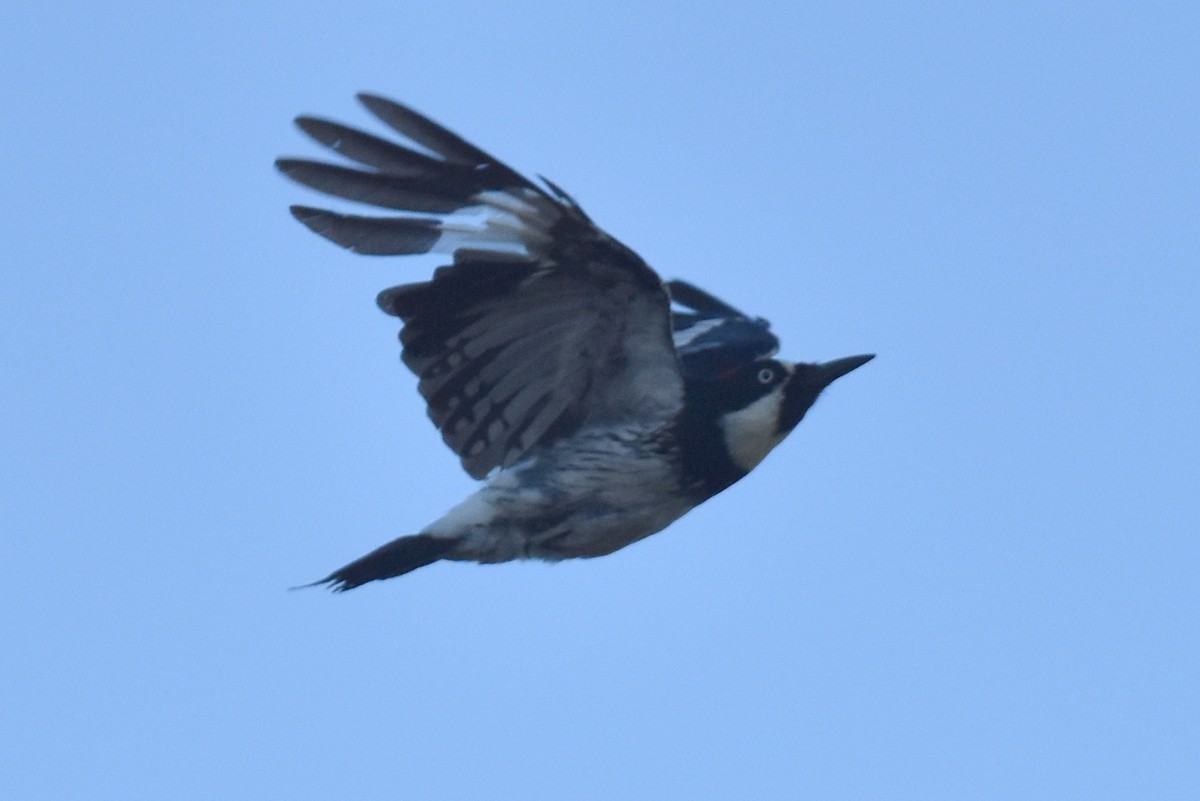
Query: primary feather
column 542, row 322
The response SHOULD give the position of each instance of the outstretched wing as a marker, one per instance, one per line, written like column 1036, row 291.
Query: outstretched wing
column 543, row 323
column 712, row 337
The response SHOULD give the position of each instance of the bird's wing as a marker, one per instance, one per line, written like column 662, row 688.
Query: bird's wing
column 542, row 323
column 711, row 336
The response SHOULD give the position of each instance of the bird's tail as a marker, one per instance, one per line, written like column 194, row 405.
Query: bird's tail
column 398, row 557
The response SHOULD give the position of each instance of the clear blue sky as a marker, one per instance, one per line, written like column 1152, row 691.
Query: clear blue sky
column 971, row 573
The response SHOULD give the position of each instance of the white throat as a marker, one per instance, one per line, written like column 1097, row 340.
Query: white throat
column 750, row 433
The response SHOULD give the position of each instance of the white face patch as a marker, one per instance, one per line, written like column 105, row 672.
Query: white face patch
column 750, row 433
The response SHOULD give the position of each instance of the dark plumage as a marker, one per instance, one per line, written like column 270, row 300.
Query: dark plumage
column 549, row 354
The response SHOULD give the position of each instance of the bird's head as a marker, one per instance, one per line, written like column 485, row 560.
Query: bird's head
column 760, row 402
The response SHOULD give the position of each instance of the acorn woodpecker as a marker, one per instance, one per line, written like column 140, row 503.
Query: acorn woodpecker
column 597, row 402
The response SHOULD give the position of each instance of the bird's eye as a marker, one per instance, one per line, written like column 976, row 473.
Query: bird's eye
column 766, row 375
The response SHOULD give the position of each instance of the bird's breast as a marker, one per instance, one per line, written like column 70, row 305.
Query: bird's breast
column 752, row 432
column 587, row 496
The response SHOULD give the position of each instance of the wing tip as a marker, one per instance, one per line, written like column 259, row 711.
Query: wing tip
column 310, row 215
column 288, row 164
column 380, row 106
column 314, row 127
column 324, row 224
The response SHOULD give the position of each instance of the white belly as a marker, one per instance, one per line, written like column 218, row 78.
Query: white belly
column 586, row 498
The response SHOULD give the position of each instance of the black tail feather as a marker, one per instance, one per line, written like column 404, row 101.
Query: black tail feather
column 398, row 557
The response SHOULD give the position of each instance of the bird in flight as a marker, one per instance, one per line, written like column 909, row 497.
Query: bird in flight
column 596, row 402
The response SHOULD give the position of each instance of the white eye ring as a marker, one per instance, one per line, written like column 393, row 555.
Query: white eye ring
column 766, row 375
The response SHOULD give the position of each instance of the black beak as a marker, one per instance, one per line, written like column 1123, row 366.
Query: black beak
column 807, row 382
column 828, row 372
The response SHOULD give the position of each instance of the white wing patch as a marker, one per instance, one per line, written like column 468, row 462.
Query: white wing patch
column 688, row 335
column 513, row 221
